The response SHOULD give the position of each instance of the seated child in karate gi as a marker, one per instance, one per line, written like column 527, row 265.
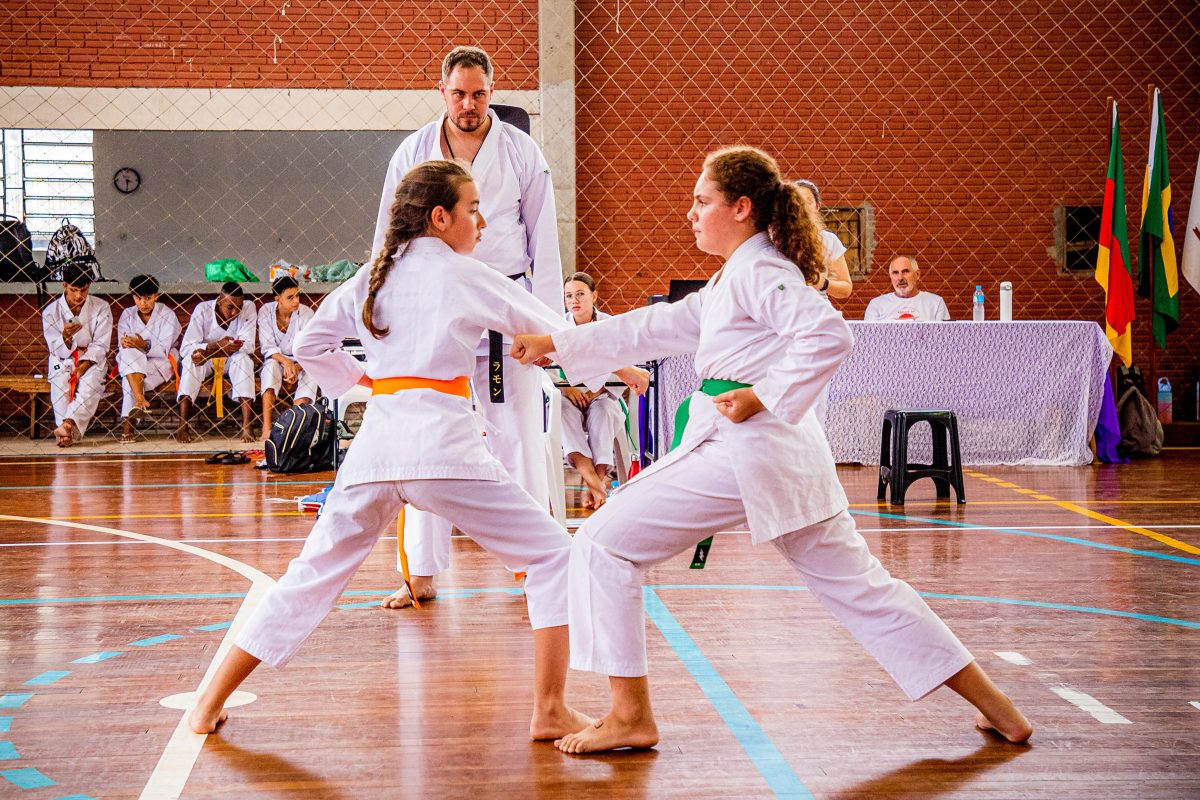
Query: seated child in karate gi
column 591, row 421
column 766, row 343
column 419, row 311
column 224, row 328
column 78, row 329
column 146, row 356
column 279, row 322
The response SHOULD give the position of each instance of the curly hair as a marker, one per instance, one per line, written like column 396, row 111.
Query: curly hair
column 776, row 203
column 424, row 188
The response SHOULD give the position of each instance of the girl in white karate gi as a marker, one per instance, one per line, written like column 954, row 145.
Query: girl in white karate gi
column 591, row 421
column 765, row 343
column 279, row 323
column 419, row 312
column 146, row 336
column 78, row 330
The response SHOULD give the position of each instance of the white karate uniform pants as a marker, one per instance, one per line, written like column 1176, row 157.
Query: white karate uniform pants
column 238, row 368
column 88, row 391
column 131, row 361
column 271, row 377
column 499, row 515
column 664, row 513
column 515, row 437
column 592, row 431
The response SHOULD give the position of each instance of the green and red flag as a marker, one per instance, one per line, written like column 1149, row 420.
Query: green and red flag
column 1113, row 265
column 1156, row 252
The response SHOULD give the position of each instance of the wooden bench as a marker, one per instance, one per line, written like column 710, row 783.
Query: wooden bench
column 35, row 388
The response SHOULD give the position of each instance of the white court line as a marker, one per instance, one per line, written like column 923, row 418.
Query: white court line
column 179, row 756
column 1100, row 527
column 1015, row 658
column 1089, row 704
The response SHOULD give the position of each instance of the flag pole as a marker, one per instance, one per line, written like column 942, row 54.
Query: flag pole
column 1152, row 372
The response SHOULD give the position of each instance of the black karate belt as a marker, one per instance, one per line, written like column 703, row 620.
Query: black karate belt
column 496, row 359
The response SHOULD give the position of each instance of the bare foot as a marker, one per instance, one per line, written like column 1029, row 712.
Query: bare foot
column 67, row 434
column 183, row 434
column 400, row 598
column 1015, row 728
column 248, row 435
column 205, row 721
column 610, row 734
column 128, row 438
column 557, row 723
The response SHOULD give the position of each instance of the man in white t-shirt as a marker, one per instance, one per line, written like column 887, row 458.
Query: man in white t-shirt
column 907, row 303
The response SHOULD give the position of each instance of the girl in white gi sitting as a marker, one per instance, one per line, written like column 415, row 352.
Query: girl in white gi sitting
column 146, row 336
column 766, row 343
column 279, row 322
column 420, row 311
column 78, row 330
column 590, row 420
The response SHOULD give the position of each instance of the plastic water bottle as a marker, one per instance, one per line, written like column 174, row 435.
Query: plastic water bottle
column 977, row 305
column 1164, row 401
column 1006, row 302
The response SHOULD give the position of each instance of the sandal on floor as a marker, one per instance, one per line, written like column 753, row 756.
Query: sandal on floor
column 218, row 458
column 235, row 458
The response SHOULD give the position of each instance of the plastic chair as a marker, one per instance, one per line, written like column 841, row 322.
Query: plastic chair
column 896, row 471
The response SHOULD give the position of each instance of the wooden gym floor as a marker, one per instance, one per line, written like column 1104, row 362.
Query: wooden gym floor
column 1076, row 589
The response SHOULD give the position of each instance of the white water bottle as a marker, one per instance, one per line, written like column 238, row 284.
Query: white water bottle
column 977, row 305
column 1006, row 301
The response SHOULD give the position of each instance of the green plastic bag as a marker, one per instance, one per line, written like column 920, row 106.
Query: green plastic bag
column 337, row 271
column 227, row 269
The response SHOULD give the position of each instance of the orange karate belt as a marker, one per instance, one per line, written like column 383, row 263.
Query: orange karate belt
column 73, row 381
column 459, row 387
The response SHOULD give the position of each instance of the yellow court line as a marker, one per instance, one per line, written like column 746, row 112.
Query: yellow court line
column 179, row 756
column 1039, row 500
column 1068, row 505
column 125, row 460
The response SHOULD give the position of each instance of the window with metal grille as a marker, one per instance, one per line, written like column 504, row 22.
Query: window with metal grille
column 855, row 226
column 1076, row 238
column 48, row 177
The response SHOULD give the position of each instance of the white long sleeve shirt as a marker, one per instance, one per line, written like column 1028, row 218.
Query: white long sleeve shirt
column 203, row 329
column 516, row 197
column 161, row 331
column 436, row 304
column 271, row 340
column 92, row 340
column 755, row 322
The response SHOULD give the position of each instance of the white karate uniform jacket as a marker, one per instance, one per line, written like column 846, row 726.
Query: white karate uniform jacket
column 436, row 305
column 92, row 340
column 203, row 329
column 271, row 340
column 516, row 197
column 161, row 332
column 756, row 322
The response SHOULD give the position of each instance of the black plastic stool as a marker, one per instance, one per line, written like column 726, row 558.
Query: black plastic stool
column 894, row 468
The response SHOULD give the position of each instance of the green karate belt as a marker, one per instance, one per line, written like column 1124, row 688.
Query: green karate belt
column 711, row 387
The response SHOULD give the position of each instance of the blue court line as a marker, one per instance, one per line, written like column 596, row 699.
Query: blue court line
column 47, row 678
column 14, row 700
column 1034, row 534
column 75, row 797
column 8, row 752
column 157, row 485
column 153, row 640
column 5, row 724
column 96, row 658
column 216, row 626
column 766, row 757
column 28, row 778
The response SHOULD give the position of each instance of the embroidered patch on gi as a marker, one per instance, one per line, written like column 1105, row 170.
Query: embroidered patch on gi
column 780, row 287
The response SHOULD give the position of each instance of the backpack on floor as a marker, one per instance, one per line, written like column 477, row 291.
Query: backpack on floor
column 302, row 439
column 1141, row 432
column 69, row 245
column 16, row 252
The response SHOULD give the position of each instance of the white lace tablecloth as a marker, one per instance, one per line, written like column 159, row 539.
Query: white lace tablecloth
column 1024, row 392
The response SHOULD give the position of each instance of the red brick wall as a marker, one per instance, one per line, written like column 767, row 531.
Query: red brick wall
column 962, row 123
column 209, row 44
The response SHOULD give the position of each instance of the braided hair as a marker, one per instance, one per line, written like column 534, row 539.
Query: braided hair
column 776, row 203
column 424, row 188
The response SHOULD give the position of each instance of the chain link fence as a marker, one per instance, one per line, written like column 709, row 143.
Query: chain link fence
column 956, row 131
